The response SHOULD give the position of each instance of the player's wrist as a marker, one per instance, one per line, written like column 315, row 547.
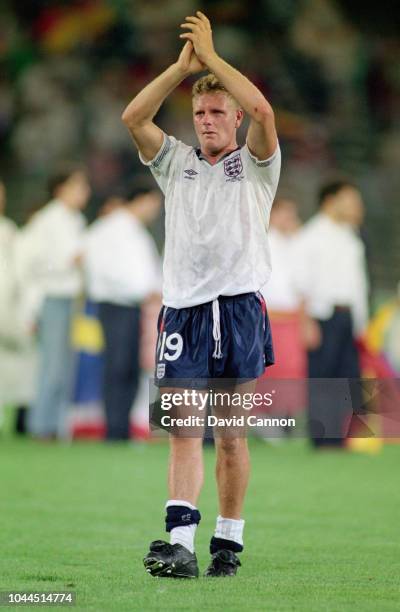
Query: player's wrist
column 181, row 71
column 209, row 59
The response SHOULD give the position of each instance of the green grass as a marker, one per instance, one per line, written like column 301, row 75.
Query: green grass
column 322, row 531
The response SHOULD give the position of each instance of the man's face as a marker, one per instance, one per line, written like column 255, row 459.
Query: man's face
column 148, row 206
column 349, row 206
column 215, row 121
column 76, row 190
column 284, row 217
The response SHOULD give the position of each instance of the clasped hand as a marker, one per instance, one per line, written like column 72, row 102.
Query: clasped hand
column 199, row 47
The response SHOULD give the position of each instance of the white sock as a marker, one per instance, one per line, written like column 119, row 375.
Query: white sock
column 182, row 535
column 229, row 529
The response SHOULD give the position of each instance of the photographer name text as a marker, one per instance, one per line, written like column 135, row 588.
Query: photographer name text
column 235, row 421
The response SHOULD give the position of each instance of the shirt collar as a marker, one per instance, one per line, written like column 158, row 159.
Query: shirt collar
column 201, row 156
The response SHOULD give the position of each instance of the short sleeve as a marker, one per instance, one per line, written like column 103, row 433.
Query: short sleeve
column 267, row 170
column 264, row 176
column 161, row 166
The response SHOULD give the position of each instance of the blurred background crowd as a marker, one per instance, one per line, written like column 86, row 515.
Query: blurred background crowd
column 330, row 68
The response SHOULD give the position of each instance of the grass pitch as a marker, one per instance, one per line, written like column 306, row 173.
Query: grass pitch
column 322, row 530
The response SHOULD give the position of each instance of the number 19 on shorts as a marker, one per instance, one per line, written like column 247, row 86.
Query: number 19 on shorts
column 171, row 346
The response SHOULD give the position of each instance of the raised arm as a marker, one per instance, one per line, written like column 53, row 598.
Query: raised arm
column 138, row 115
column 261, row 136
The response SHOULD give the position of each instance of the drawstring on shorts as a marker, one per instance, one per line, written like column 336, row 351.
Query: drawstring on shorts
column 217, row 354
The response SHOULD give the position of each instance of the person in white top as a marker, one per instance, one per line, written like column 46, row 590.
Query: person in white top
column 17, row 347
column 50, row 262
column 9, row 338
column 283, row 301
column 213, row 325
column 331, row 278
column 280, row 291
column 123, row 269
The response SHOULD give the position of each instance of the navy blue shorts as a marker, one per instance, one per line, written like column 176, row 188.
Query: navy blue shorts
column 230, row 339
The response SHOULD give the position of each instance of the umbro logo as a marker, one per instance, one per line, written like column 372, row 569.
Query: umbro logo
column 190, row 174
column 186, row 517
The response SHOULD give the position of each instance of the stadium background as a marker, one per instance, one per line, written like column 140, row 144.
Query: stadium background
column 329, row 67
column 77, row 516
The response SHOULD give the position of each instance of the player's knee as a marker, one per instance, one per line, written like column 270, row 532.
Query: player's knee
column 231, row 446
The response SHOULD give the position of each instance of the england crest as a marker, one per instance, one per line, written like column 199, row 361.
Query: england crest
column 233, row 166
column 160, row 370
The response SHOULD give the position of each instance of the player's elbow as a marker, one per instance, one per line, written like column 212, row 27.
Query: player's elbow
column 125, row 116
column 129, row 118
column 132, row 116
column 264, row 113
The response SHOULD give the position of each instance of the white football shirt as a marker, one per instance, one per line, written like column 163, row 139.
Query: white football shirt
column 121, row 261
column 216, row 221
column 330, row 270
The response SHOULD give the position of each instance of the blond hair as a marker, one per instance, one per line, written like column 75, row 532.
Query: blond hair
column 209, row 84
